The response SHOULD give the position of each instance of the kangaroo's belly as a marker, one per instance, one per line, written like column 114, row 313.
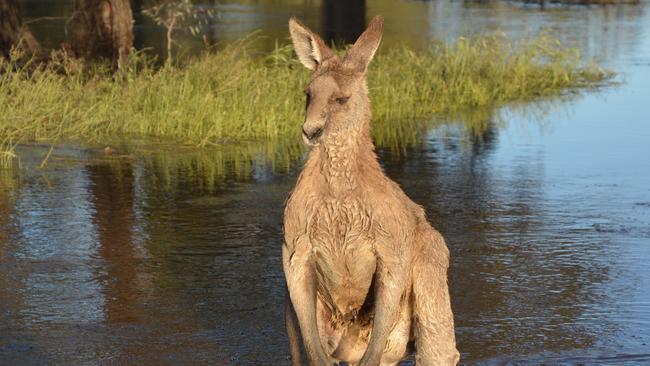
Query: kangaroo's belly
column 343, row 254
column 342, row 250
column 344, row 277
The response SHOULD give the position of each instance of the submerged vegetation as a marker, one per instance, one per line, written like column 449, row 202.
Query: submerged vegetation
column 236, row 95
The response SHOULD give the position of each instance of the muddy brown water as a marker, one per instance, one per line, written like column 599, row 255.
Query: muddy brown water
column 154, row 259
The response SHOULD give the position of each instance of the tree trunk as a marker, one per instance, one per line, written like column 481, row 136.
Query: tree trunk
column 170, row 41
column 102, row 29
column 343, row 21
column 13, row 33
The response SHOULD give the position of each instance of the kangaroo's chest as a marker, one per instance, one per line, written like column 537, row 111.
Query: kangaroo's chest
column 342, row 245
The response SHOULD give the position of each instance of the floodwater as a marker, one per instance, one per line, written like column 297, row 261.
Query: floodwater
column 154, row 256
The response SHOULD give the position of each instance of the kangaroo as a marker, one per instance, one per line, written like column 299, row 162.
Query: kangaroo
column 366, row 273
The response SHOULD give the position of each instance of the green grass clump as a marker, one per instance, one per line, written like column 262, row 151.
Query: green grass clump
column 236, row 95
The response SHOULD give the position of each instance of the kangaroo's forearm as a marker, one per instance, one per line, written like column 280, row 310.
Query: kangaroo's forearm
column 302, row 291
column 389, row 290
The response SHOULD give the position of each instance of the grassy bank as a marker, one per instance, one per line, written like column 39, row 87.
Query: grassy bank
column 236, row 95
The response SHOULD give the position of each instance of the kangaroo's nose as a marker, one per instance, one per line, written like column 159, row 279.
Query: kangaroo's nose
column 313, row 134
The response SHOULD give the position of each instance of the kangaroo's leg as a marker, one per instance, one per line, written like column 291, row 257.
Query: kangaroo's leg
column 390, row 285
column 434, row 328
column 293, row 332
column 301, row 284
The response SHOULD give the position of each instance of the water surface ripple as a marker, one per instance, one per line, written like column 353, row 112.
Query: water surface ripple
column 148, row 261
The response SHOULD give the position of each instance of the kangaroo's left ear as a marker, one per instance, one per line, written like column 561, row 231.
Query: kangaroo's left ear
column 365, row 47
column 310, row 48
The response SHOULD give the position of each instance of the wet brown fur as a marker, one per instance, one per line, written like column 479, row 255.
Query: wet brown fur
column 366, row 273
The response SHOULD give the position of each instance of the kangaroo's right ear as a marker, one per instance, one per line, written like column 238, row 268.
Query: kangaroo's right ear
column 310, row 48
column 360, row 55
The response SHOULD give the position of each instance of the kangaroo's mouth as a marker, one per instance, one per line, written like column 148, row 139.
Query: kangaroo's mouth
column 312, row 138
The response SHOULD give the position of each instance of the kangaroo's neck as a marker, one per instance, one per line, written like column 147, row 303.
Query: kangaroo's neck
column 343, row 158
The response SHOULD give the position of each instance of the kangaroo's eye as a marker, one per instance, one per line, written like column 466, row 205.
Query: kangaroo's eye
column 307, row 99
column 342, row 100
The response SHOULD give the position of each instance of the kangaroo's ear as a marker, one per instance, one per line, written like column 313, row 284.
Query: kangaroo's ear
column 310, row 48
column 365, row 47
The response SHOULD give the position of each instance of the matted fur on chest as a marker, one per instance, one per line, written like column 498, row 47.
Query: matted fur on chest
column 342, row 236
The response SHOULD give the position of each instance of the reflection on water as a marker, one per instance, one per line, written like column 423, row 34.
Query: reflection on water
column 145, row 261
column 159, row 255
column 133, row 270
column 528, row 278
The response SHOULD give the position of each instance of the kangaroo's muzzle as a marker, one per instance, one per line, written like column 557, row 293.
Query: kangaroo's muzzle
column 311, row 136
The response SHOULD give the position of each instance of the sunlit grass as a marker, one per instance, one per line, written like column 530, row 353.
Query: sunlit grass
column 235, row 95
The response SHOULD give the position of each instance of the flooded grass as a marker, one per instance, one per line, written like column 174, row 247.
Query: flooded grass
column 236, row 95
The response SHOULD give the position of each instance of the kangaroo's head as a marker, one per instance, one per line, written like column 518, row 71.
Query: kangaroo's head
column 337, row 96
